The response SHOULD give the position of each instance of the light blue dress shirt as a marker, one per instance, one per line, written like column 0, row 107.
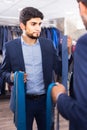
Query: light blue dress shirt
column 33, row 66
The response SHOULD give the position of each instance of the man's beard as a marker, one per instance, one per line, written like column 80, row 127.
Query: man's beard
column 32, row 37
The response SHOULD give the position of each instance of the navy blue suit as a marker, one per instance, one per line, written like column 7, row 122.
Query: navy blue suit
column 74, row 108
column 13, row 61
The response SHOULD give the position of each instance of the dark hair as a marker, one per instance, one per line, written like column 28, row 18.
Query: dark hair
column 83, row 1
column 28, row 13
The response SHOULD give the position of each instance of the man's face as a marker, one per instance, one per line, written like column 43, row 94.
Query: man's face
column 33, row 28
column 83, row 13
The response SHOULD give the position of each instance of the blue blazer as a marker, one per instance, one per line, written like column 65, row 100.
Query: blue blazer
column 13, row 60
column 74, row 108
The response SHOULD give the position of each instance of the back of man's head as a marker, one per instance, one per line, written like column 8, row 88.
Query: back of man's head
column 83, row 1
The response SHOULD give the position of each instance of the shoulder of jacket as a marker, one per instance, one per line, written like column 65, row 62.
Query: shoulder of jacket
column 83, row 37
column 9, row 43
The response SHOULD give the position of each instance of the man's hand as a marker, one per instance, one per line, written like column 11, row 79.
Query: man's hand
column 12, row 77
column 69, row 44
column 56, row 91
column 25, row 77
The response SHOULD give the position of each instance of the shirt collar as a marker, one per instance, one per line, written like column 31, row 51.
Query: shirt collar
column 23, row 43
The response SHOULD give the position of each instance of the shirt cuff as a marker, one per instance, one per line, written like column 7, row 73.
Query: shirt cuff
column 58, row 95
column 69, row 56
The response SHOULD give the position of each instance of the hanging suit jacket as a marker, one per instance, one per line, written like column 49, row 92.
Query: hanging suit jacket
column 74, row 108
column 13, row 60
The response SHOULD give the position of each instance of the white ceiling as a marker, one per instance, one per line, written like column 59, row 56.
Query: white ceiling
column 9, row 9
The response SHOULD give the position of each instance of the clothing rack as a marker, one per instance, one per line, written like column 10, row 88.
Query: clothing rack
column 8, row 33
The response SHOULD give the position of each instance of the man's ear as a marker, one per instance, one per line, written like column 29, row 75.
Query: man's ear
column 83, row 8
column 22, row 26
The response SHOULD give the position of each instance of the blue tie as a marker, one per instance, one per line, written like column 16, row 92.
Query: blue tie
column 64, row 61
column 50, row 110
column 20, row 115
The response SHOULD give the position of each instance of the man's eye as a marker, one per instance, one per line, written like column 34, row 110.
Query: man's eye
column 40, row 24
column 33, row 24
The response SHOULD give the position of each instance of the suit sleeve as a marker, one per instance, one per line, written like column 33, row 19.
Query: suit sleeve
column 5, row 70
column 71, row 109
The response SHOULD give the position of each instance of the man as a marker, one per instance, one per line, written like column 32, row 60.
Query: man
column 74, row 108
column 37, row 58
